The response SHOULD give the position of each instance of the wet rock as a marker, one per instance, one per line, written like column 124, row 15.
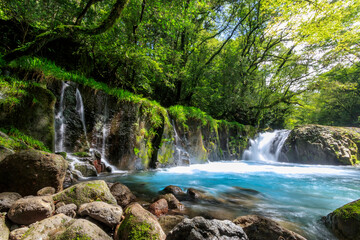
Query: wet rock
column 259, row 228
column 30, row 171
column 122, row 194
column 18, row 233
column 86, row 169
column 103, row 212
column 195, row 194
column 177, row 191
column 200, row 228
column 172, row 201
column 159, row 207
column 316, row 144
column 31, row 209
column 168, row 222
column 344, row 222
column 86, row 192
column 46, row 191
column 69, row 210
column 4, row 230
column 7, row 199
column 139, row 224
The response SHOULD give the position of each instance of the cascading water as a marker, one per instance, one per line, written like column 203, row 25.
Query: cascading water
column 267, row 146
column 80, row 110
column 181, row 156
column 60, row 122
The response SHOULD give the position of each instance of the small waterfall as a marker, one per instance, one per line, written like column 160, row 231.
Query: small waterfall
column 60, row 120
column 80, row 110
column 181, row 156
column 267, row 146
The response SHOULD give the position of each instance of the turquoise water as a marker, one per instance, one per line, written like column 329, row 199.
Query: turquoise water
column 296, row 195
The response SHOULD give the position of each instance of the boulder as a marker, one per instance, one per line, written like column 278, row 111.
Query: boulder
column 159, row 207
column 86, row 192
column 259, row 228
column 4, row 152
column 103, row 212
column 139, row 224
column 68, row 209
column 7, row 199
column 86, row 169
column 168, row 222
column 122, row 194
column 4, row 230
column 172, row 201
column 30, row 171
column 31, row 209
column 18, row 233
column 195, row 194
column 64, row 227
column 316, row 144
column 46, row 191
column 174, row 190
column 200, row 228
column 344, row 222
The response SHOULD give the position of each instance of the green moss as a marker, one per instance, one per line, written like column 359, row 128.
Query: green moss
column 137, row 230
column 349, row 211
column 82, row 154
column 72, row 234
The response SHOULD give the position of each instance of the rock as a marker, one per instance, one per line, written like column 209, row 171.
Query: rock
column 86, row 192
column 172, row 201
column 316, row 144
column 46, row 191
column 18, row 233
column 69, row 210
column 59, row 204
column 4, row 152
column 200, row 228
column 30, row 171
column 168, row 222
column 4, row 230
column 344, row 222
column 259, row 228
column 86, row 169
column 139, row 224
column 159, row 207
column 7, row 199
column 64, row 227
column 122, row 194
column 31, row 209
column 195, row 194
column 174, row 190
column 103, row 212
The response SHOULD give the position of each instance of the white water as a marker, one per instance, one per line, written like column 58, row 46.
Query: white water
column 60, row 132
column 180, row 153
column 80, row 110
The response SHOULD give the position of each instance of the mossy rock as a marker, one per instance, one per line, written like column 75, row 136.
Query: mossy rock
column 344, row 222
column 82, row 154
column 86, row 192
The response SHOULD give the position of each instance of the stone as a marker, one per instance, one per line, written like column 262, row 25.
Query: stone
column 258, row 228
column 172, row 201
column 4, row 230
column 64, row 227
column 195, row 194
column 103, row 212
column 46, row 191
column 316, row 144
column 168, row 222
column 159, row 207
column 4, row 152
column 18, row 233
column 30, row 171
column 200, row 228
column 59, row 204
column 344, row 222
column 7, row 199
column 122, row 194
column 69, row 210
column 86, row 169
column 139, row 224
column 174, row 190
column 86, row 192
column 31, row 209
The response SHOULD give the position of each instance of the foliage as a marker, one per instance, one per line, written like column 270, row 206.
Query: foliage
column 11, row 91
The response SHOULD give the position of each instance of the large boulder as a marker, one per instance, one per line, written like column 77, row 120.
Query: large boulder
column 31, row 209
column 86, row 192
column 139, row 224
column 28, row 171
column 344, row 222
column 200, row 228
column 103, row 212
column 122, row 194
column 7, row 199
column 64, row 227
column 259, row 228
column 68, row 209
column 168, row 222
column 4, row 230
column 316, row 144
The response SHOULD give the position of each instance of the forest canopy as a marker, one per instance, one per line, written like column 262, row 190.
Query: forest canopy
column 274, row 63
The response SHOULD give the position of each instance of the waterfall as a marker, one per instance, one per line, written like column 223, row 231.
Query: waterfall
column 181, row 156
column 59, row 118
column 80, row 110
column 267, row 146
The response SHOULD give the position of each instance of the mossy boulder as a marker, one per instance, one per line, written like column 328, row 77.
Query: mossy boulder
column 344, row 222
column 139, row 224
column 316, row 144
column 28, row 171
column 86, row 192
column 4, row 230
